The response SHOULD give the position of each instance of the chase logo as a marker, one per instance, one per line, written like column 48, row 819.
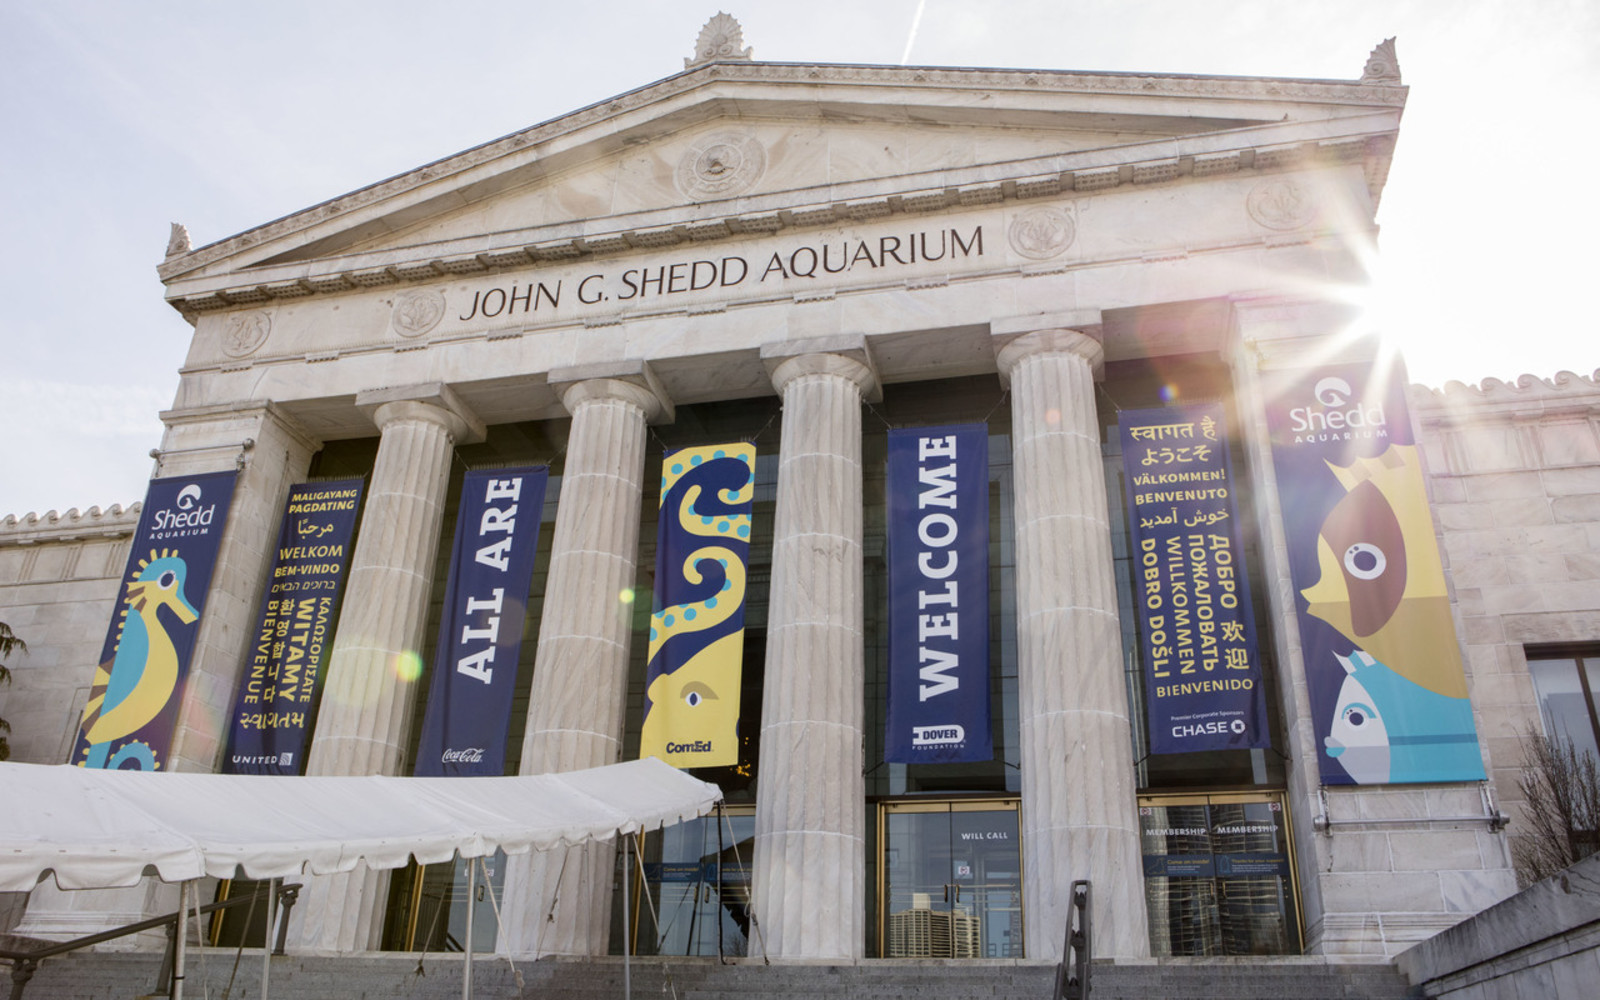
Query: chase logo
column 934, row 736
column 1217, row 728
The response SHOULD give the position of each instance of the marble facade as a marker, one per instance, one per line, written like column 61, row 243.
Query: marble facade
column 816, row 234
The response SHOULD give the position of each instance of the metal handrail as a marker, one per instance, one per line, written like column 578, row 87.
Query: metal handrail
column 1072, row 975
column 25, row 963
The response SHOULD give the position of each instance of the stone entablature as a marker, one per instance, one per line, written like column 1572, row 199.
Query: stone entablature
column 33, row 528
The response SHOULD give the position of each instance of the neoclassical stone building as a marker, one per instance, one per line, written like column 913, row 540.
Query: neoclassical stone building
column 807, row 257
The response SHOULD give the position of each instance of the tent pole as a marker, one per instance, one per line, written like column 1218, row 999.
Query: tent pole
column 183, row 940
column 266, row 939
column 627, row 945
column 472, row 896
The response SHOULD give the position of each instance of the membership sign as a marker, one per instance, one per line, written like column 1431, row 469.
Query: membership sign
column 1202, row 669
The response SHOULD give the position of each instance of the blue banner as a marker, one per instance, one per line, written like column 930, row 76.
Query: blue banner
column 1388, row 693
column 692, row 679
column 1202, row 667
column 134, row 697
column 938, row 532
column 294, row 633
column 480, row 634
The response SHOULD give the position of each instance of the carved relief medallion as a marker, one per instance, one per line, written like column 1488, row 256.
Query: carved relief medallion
column 1041, row 233
column 720, row 165
column 242, row 333
column 417, row 312
column 1281, row 203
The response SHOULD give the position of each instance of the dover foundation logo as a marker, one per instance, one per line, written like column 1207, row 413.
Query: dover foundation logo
column 938, row 736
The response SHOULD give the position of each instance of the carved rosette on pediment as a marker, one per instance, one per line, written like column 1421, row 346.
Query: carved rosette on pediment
column 244, row 333
column 721, row 165
column 1041, row 233
column 1281, row 203
column 721, row 39
column 417, row 312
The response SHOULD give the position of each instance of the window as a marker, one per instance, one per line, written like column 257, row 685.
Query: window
column 1566, row 686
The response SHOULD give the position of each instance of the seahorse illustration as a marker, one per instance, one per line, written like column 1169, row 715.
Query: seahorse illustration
column 1402, row 712
column 134, row 686
column 693, row 697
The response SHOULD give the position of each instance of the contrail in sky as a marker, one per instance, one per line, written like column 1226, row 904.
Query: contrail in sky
column 911, row 39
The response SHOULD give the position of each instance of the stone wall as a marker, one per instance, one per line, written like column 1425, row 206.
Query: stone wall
column 58, row 586
column 1514, row 470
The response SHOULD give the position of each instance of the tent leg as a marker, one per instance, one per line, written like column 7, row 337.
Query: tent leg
column 627, row 907
column 266, row 939
column 472, row 896
column 182, row 942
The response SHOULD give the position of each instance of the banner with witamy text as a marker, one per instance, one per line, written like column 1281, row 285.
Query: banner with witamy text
column 138, row 684
column 294, row 632
column 692, row 677
column 1202, row 666
column 1388, row 693
column 938, row 540
column 474, row 680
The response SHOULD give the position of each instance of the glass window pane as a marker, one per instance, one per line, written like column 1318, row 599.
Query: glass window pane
column 1562, row 706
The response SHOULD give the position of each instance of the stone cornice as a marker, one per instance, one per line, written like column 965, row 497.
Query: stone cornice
column 116, row 521
column 1566, row 394
column 1373, row 150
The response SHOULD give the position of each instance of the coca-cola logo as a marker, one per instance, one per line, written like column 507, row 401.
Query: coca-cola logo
column 466, row 755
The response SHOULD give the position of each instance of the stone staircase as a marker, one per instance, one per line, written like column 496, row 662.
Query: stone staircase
column 382, row 977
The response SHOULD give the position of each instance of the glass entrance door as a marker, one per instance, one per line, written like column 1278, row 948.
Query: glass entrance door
column 692, row 896
column 1218, row 875
column 950, row 883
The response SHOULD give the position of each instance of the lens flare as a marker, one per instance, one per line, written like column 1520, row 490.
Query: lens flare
column 408, row 666
column 626, row 597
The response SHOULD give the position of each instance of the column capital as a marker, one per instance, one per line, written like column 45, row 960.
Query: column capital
column 1082, row 343
column 434, row 402
column 845, row 356
column 630, row 381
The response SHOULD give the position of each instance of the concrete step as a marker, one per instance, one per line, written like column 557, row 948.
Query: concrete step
column 380, row 977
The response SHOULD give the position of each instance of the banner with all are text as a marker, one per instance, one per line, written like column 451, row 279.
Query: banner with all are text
column 938, row 533
column 134, row 697
column 294, row 633
column 1202, row 666
column 480, row 634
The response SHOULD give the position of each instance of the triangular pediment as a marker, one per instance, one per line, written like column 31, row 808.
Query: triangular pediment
column 732, row 148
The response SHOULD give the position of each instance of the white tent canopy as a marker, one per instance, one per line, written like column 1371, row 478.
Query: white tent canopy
column 100, row 829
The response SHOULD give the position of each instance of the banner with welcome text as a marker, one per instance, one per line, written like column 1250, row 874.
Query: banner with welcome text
column 294, row 632
column 938, row 534
column 1202, row 666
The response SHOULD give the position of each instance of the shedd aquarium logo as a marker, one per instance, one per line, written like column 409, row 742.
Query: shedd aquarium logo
column 1333, row 418
column 188, row 516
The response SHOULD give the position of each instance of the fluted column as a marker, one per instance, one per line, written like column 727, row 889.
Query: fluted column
column 809, row 882
column 370, row 689
column 1079, row 814
column 559, row 902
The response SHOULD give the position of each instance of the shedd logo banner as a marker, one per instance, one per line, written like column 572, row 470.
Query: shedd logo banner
column 1384, row 669
column 133, row 702
column 294, row 632
column 480, row 635
column 1202, row 668
column 938, row 531
column 692, row 679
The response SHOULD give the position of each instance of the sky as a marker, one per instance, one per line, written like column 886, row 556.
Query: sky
column 118, row 118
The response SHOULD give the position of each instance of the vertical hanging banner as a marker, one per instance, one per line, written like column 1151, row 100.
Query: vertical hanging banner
column 480, row 634
column 294, row 632
column 691, row 710
column 1202, row 666
column 134, row 697
column 938, row 535
column 1387, row 688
